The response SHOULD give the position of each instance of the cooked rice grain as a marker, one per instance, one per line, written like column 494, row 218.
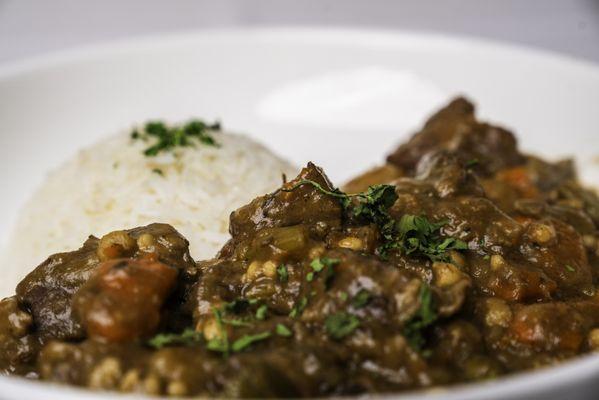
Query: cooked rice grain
column 112, row 185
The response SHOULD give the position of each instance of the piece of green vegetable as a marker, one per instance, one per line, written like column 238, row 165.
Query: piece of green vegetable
column 288, row 238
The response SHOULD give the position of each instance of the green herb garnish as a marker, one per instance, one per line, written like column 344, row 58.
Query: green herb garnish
column 341, row 325
column 472, row 162
column 282, row 330
column 362, row 298
column 320, row 264
column 425, row 316
column 188, row 337
column 238, row 305
column 416, row 234
column 261, row 312
column 371, row 204
column 167, row 138
column 247, row 340
column 299, row 307
column 158, row 171
column 220, row 343
column 283, row 273
column 570, row 268
column 237, row 322
column 410, row 235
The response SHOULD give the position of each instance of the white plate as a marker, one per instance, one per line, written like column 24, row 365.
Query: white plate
column 341, row 98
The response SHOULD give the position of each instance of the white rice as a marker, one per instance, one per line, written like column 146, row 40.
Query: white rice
column 112, row 185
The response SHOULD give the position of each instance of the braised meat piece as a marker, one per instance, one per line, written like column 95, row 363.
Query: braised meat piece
column 455, row 128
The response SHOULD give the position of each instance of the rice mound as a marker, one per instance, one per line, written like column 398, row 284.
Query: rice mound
column 113, row 185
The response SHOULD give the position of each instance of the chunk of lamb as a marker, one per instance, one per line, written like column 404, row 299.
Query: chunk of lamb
column 47, row 292
column 456, row 129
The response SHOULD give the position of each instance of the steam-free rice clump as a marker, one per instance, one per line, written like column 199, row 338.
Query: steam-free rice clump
column 118, row 183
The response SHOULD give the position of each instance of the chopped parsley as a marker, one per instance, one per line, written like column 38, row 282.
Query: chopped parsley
column 570, row 268
column 341, row 325
column 282, row 330
column 166, row 138
column 261, row 312
column 320, row 264
column 247, row 340
column 371, row 204
column 237, row 322
column 362, row 298
column 472, row 163
column 238, row 305
column 299, row 307
column 158, row 171
column 220, row 343
column 424, row 317
column 283, row 273
column 416, row 234
column 218, row 346
column 188, row 337
column 410, row 235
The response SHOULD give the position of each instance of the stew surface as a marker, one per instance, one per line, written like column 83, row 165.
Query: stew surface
column 460, row 259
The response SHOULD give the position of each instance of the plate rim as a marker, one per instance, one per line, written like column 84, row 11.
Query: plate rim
column 387, row 37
